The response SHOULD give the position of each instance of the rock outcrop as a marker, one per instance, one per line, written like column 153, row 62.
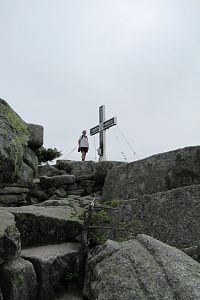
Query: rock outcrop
column 172, row 217
column 70, row 178
column 161, row 172
column 46, row 227
column 53, row 264
column 13, row 140
column 18, row 280
column 50, row 235
column 36, row 133
column 18, row 163
column 143, row 268
column 10, row 245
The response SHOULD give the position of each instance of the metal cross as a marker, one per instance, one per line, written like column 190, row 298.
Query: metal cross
column 101, row 129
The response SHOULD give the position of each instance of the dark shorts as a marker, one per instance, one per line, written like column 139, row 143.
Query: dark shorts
column 84, row 149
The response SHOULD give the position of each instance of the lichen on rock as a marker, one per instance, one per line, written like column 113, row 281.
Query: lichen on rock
column 13, row 140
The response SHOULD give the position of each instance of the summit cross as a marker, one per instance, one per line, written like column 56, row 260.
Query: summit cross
column 101, row 129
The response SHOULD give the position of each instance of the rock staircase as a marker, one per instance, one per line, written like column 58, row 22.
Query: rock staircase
column 49, row 264
column 54, row 266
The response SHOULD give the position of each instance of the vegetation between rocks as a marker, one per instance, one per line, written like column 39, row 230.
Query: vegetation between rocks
column 44, row 155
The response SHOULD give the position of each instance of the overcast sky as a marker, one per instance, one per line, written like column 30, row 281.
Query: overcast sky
column 61, row 59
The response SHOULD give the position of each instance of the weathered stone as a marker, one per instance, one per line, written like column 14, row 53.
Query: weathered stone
column 76, row 168
column 87, row 183
column 49, row 170
column 67, row 202
column 154, row 174
column 73, row 186
column 101, row 169
column 172, row 217
column 54, row 202
column 35, row 136
column 141, row 269
column 54, row 265
column 24, row 176
column 88, row 169
column 45, row 225
column 77, row 192
column 54, row 181
column 12, row 190
column 18, row 280
column 10, row 245
column 31, row 160
column 40, row 195
column 194, row 252
column 13, row 200
column 13, row 140
column 60, row 192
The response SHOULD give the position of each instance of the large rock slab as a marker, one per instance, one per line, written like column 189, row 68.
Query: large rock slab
column 54, row 265
column 143, row 268
column 36, row 133
column 76, row 168
column 10, row 245
column 13, row 140
column 50, row 170
column 46, row 225
column 154, row 174
column 57, row 180
column 13, row 200
column 13, row 196
column 87, row 169
column 12, row 190
column 172, row 217
column 18, row 280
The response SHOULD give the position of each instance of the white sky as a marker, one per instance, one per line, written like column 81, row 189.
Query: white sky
column 60, row 60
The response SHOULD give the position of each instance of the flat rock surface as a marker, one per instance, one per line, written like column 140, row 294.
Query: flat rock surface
column 143, row 268
column 46, row 225
column 54, row 265
column 154, row 174
column 50, row 251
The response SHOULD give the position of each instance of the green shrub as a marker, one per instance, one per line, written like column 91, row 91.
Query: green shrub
column 101, row 216
column 44, row 155
column 113, row 202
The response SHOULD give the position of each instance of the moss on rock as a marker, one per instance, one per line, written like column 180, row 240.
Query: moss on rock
column 13, row 139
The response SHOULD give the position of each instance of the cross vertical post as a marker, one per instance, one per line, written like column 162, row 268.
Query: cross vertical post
column 101, row 129
column 102, row 134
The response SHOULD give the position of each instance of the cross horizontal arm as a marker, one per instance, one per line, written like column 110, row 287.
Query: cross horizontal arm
column 109, row 123
column 103, row 126
column 94, row 130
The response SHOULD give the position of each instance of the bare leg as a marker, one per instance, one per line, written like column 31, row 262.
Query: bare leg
column 83, row 155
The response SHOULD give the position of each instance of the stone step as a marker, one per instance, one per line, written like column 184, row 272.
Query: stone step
column 55, row 265
column 46, row 225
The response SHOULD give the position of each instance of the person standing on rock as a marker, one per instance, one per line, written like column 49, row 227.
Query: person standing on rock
column 83, row 145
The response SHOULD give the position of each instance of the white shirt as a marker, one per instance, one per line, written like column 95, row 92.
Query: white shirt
column 83, row 141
